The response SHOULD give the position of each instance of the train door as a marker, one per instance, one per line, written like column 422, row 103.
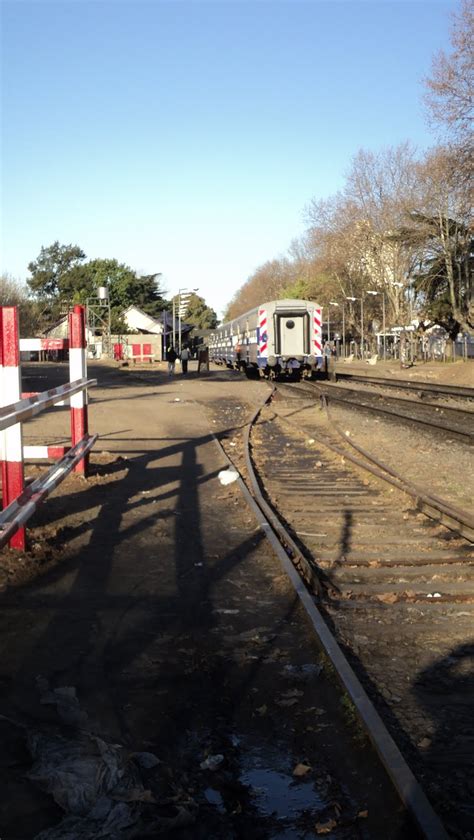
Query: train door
column 292, row 334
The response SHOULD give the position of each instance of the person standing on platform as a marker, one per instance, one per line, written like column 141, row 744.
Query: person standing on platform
column 184, row 360
column 171, row 356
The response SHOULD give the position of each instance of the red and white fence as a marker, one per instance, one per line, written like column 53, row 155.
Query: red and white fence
column 19, row 503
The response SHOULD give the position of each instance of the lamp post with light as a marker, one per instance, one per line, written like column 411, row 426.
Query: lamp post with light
column 331, row 303
column 361, row 321
column 184, row 296
column 369, row 292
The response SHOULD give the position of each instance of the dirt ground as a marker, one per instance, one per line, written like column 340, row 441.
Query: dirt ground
column 439, row 465
column 450, row 373
column 158, row 673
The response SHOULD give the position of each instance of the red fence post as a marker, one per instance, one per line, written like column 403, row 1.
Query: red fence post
column 11, row 439
column 78, row 370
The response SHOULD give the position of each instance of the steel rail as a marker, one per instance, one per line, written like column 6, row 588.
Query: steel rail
column 29, row 407
column 433, row 506
column 467, row 437
column 22, row 508
column 467, row 413
column 427, row 387
column 408, row 788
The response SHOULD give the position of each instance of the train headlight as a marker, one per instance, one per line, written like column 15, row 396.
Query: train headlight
column 272, row 361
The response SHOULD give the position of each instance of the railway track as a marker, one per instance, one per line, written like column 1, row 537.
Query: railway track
column 395, row 588
column 435, row 416
column 425, row 388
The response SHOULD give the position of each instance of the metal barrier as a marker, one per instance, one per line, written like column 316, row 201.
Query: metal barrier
column 19, row 503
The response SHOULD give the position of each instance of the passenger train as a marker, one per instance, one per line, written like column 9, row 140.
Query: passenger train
column 278, row 338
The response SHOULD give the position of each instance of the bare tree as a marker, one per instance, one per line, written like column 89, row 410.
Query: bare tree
column 14, row 293
column 353, row 231
column 440, row 229
column 449, row 90
column 266, row 283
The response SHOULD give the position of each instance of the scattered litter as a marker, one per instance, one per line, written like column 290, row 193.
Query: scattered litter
column 65, row 700
column 310, row 440
column 348, row 434
column 215, row 798
column 232, row 443
column 212, row 762
column 226, row 612
column 199, row 564
column 228, row 476
column 293, row 692
column 102, row 788
column 302, row 673
column 176, row 399
column 319, row 463
column 262, row 710
column 325, row 827
column 434, row 595
column 301, row 770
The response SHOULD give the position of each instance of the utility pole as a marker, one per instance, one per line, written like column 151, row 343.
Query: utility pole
column 173, row 327
column 184, row 296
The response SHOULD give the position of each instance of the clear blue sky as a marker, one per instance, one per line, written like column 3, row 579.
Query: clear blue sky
column 187, row 137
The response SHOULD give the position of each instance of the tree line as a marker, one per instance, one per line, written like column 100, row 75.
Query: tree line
column 61, row 276
column 402, row 225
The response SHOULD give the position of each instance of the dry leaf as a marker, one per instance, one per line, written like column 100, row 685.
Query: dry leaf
column 387, row 598
column 301, row 769
column 325, row 827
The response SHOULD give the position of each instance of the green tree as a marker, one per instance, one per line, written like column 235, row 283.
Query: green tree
column 198, row 313
column 61, row 277
column 50, row 268
column 127, row 289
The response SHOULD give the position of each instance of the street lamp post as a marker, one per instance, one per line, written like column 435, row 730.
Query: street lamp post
column 331, row 303
column 368, row 292
column 343, row 332
column 361, row 321
column 173, row 334
column 183, row 300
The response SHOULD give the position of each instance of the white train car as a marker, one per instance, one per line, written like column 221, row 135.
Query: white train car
column 280, row 337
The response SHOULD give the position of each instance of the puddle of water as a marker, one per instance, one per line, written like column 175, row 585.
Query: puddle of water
column 214, row 798
column 268, row 772
column 278, row 793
